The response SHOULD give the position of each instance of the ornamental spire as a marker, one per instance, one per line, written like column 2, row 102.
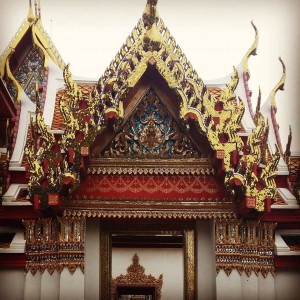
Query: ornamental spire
column 37, row 9
column 150, row 14
column 30, row 15
column 152, row 38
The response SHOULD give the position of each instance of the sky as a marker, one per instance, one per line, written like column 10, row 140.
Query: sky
column 214, row 35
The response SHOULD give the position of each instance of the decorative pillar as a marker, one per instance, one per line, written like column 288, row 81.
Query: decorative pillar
column 206, row 259
column 189, row 265
column 105, row 264
column 92, row 259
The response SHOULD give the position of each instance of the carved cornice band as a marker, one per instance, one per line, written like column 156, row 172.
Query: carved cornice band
column 154, row 214
column 149, row 166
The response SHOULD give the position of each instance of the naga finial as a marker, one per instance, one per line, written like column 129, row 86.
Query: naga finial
column 251, row 51
column 279, row 85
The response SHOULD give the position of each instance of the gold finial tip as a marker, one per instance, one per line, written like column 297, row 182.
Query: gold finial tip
column 30, row 15
column 152, row 2
column 253, row 25
column 283, row 65
column 251, row 51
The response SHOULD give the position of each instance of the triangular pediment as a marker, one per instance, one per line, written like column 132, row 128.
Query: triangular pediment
column 151, row 132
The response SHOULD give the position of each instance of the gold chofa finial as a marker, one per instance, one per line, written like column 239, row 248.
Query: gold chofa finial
column 279, row 85
column 30, row 15
column 251, row 51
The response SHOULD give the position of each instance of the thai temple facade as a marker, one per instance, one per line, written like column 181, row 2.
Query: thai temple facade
column 149, row 183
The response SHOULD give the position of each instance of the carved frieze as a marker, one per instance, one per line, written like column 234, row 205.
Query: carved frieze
column 247, row 246
column 54, row 244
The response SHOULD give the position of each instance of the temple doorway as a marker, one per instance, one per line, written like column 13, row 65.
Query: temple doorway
column 142, row 260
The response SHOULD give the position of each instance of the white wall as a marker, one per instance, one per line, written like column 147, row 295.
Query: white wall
column 229, row 287
column 287, row 284
column 11, row 283
column 168, row 262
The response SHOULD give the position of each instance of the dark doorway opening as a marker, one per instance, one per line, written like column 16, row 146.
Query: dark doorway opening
column 135, row 293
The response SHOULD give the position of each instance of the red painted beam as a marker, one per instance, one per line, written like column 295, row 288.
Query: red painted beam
column 287, row 262
column 282, row 215
column 11, row 260
column 18, row 212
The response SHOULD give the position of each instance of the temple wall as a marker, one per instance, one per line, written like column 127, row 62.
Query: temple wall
column 229, row 287
column 284, row 286
column 168, row 262
column 287, row 284
column 11, row 283
column 236, row 286
column 71, row 286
